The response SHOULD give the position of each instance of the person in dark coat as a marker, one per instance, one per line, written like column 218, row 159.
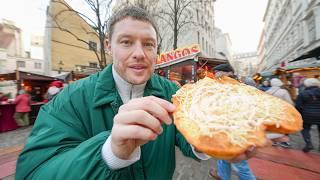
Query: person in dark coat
column 308, row 104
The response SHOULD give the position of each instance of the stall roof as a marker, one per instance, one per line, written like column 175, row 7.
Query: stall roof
column 196, row 58
column 26, row 76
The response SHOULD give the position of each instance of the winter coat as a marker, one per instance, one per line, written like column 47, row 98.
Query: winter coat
column 264, row 88
column 70, row 130
column 23, row 102
column 308, row 104
column 280, row 93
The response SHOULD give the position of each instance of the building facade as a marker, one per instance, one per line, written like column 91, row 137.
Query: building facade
column 222, row 45
column 65, row 51
column 12, row 53
column 200, row 28
column 261, row 50
column 11, row 38
column 291, row 30
column 246, row 64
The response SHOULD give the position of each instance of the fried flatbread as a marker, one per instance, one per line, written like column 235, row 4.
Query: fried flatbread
column 223, row 118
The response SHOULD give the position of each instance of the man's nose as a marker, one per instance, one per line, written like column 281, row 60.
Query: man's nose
column 138, row 52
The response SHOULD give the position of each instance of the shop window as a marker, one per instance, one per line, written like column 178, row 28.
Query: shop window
column 311, row 29
column 93, row 65
column 37, row 65
column 202, row 44
column 197, row 15
column 21, row 64
column 183, row 73
column 92, row 45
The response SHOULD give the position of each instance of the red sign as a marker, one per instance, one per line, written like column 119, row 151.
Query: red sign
column 178, row 54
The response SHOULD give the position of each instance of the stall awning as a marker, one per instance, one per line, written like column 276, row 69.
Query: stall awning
column 26, row 76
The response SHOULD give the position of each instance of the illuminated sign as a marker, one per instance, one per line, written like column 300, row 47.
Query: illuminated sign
column 178, row 54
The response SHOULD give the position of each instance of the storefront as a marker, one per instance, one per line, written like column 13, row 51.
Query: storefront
column 183, row 64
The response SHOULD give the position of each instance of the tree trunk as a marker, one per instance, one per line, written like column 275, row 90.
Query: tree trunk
column 175, row 26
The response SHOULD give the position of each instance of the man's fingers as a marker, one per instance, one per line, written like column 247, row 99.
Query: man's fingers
column 153, row 105
column 165, row 104
column 250, row 152
column 135, row 132
column 140, row 118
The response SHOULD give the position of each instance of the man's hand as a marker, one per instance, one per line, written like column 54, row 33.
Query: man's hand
column 250, row 152
column 138, row 122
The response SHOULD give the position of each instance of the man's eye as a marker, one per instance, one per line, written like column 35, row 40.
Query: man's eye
column 149, row 45
column 125, row 42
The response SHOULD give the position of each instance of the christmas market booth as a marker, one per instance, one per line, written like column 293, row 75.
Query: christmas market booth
column 10, row 83
column 31, row 82
column 183, row 65
column 294, row 72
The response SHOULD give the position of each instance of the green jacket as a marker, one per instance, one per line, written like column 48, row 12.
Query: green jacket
column 66, row 140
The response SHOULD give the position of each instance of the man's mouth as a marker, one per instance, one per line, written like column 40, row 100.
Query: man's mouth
column 138, row 68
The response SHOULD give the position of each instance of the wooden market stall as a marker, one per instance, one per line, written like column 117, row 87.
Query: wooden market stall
column 183, row 64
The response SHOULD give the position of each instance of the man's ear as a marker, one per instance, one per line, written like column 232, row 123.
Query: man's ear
column 107, row 44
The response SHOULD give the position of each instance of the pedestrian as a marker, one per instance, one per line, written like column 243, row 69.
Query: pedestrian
column 277, row 91
column 265, row 85
column 23, row 107
column 308, row 104
column 115, row 124
column 54, row 89
column 224, row 167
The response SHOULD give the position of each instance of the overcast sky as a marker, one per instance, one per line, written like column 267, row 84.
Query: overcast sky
column 242, row 19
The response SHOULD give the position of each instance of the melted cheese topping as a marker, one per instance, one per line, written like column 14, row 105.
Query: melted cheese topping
column 234, row 109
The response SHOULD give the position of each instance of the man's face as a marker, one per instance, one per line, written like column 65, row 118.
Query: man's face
column 133, row 48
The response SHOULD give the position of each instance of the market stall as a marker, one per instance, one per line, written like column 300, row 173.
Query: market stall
column 35, row 84
column 182, row 64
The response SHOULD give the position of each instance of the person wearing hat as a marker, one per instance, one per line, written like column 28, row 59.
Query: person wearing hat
column 54, row 89
column 308, row 104
column 277, row 91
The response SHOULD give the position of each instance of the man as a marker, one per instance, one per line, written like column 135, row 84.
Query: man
column 115, row 124
column 224, row 167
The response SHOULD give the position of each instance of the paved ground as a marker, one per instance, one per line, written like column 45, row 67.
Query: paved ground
column 185, row 168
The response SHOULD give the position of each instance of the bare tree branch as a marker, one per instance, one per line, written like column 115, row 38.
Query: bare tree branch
column 101, row 11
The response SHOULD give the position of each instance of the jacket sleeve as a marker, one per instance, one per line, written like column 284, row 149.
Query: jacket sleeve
column 61, row 147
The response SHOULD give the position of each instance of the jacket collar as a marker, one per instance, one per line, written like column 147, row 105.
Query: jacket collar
column 105, row 91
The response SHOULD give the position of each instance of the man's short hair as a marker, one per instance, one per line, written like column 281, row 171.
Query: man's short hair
column 134, row 12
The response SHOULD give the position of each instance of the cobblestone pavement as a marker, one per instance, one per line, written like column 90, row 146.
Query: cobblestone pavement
column 186, row 168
